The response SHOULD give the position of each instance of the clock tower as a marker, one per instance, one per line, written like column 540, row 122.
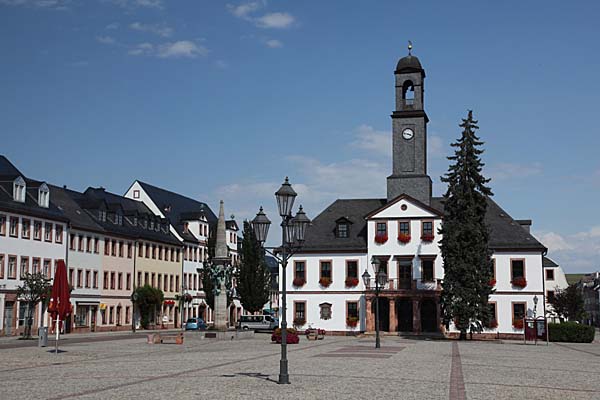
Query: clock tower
column 409, row 130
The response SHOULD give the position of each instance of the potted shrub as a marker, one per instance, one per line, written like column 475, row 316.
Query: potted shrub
column 351, row 282
column 403, row 238
column 518, row 324
column 298, row 282
column 352, row 322
column 381, row 239
column 291, row 338
column 519, row 281
column 427, row 238
column 325, row 282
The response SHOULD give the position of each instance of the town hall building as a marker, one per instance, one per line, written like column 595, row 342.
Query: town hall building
column 326, row 288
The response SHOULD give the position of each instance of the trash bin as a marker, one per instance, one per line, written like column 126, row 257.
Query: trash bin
column 43, row 337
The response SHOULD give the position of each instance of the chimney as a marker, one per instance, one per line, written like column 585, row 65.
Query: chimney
column 525, row 224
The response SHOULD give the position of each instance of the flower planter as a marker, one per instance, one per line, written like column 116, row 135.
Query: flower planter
column 325, row 282
column 427, row 238
column 298, row 282
column 381, row 239
column 352, row 322
column 493, row 324
column 519, row 282
column 351, row 282
column 518, row 324
column 299, row 322
column 315, row 334
column 402, row 238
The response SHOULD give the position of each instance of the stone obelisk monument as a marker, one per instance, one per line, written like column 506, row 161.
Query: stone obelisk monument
column 221, row 264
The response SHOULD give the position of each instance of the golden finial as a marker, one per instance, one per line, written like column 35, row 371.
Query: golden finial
column 409, row 47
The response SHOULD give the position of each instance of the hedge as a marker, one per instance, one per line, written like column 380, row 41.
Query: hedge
column 571, row 332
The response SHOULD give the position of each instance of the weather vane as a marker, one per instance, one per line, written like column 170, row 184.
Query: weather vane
column 409, row 47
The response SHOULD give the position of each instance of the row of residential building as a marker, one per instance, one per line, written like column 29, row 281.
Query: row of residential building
column 111, row 244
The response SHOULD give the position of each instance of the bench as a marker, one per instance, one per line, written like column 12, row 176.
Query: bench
column 156, row 338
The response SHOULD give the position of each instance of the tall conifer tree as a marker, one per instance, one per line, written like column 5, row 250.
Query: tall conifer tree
column 253, row 275
column 465, row 236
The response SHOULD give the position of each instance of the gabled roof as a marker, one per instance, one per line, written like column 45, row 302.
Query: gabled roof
column 410, row 200
column 548, row 263
column 505, row 233
column 80, row 219
column 178, row 208
column 320, row 234
column 8, row 174
column 100, row 196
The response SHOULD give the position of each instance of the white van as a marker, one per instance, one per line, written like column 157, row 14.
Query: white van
column 257, row 322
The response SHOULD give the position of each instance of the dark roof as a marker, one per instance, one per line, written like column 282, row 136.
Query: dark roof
column 178, row 208
column 505, row 232
column 131, row 208
column 409, row 63
column 231, row 225
column 78, row 217
column 548, row 263
column 320, row 235
column 31, row 207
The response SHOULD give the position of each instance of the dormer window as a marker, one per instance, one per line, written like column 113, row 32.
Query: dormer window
column 102, row 215
column 19, row 189
column 342, row 230
column 44, row 196
column 151, row 225
column 135, row 221
column 118, row 219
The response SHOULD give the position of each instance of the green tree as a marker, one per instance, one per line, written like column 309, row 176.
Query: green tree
column 464, row 245
column 253, row 275
column 147, row 300
column 35, row 289
column 569, row 304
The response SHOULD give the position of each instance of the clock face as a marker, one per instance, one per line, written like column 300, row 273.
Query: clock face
column 408, row 134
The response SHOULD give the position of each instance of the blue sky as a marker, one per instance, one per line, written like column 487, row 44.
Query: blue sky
column 223, row 99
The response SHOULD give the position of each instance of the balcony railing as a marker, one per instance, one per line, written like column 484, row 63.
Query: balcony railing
column 405, row 284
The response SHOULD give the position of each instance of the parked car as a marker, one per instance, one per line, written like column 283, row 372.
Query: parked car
column 257, row 322
column 195, row 324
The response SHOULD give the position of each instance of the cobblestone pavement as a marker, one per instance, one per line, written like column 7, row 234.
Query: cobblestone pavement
column 334, row 368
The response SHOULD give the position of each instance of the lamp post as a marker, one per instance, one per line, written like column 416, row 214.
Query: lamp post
column 293, row 230
column 380, row 279
column 535, row 301
column 135, row 299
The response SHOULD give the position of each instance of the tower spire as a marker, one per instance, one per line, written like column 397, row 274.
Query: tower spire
column 221, row 245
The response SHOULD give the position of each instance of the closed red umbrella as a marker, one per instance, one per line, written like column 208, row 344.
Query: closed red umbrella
column 60, row 303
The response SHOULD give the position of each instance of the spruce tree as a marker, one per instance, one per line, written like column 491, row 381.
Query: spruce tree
column 465, row 236
column 253, row 275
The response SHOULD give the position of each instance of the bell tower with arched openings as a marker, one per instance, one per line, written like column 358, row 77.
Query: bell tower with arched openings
column 409, row 130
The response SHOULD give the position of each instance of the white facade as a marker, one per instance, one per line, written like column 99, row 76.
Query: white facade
column 40, row 248
column 554, row 282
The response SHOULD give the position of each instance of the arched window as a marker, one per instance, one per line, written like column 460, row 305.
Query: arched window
column 19, row 189
column 408, row 92
column 44, row 196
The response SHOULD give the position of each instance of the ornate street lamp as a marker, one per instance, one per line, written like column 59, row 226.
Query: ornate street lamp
column 380, row 281
column 293, row 235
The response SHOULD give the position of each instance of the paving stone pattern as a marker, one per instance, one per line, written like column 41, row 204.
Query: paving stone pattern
column 334, row 368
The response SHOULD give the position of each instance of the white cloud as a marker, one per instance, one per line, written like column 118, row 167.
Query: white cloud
column 158, row 29
column 105, row 39
column 378, row 142
column 179, row 49
column 113, row 26
column 506, row 171
column 244, row 10
column 275, row 20
column 221, row 64
column 274, row 43
column 182, row 48
column 576, row 252
column 142, row 49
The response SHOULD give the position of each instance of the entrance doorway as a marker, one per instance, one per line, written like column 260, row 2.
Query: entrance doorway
column 384, row 313
column 405, row 274
column 8, row 317
column 428, row 316
column 404, row 309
